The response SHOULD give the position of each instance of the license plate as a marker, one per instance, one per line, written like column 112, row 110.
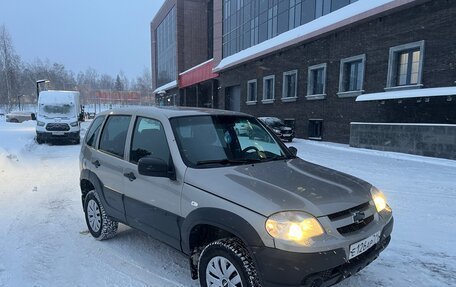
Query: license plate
column 363, row 245
column 58, row 133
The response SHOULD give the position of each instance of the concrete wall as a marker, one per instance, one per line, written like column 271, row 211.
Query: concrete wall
column 422, row 139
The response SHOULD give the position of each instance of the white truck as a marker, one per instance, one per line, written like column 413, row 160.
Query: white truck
column 58, row 116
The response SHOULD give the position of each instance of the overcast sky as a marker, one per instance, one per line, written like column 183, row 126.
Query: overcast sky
column 108, row 35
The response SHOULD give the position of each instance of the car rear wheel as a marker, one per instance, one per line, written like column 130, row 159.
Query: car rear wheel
column 227, row 263
column 100, row 226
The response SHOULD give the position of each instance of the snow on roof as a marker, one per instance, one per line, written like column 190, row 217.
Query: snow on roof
column 57, row 97
column 196, row 67
column 344, row 16
column 405, row 94
column 404, row 124
column 167, row 86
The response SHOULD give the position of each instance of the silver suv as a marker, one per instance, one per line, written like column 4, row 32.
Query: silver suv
column 242, row 206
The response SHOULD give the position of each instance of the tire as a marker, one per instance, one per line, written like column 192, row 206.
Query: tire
column 239, row 267
column 39, row 140
column 100, row 226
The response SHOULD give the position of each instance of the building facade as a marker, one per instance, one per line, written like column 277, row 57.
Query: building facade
column 182, row 53
column 330, row 76
column 325, row 65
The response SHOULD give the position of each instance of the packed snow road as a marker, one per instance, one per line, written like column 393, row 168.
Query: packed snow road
column 45, row 242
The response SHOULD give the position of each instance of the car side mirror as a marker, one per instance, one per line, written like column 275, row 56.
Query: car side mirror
column 293, row 150
column 33, row 116
column 151, row 166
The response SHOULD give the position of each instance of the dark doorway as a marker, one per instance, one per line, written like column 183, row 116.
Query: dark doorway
column 315, row 129
column 233, row 98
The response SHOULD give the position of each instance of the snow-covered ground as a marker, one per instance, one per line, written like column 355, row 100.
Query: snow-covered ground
column 45, row 242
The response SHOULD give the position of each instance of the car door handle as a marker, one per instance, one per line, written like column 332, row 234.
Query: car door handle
column 96, row 163
column 130, row 175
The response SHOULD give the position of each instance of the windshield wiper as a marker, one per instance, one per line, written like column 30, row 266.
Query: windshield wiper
column 227, row 161
column 279, row 157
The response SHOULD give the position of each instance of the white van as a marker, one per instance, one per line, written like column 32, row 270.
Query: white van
column 58, row 117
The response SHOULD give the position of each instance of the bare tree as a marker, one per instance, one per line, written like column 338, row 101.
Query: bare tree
column 106, row 82
column 143, row 84
column 10, row 64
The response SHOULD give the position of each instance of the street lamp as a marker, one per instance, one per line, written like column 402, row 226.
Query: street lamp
column 38, row 86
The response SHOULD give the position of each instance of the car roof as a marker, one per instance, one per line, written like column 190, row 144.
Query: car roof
column 20, row 113
column 169, row 112
column 268, row 118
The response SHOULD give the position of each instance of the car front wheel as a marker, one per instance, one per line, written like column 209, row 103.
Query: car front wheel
column 227, row 263
column 100, row 226
column 39, row 139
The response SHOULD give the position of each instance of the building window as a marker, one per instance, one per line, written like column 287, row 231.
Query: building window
column 405, row 66
column 294, row 14
column 290, row 86
column 351, row 76
column 272, row 22
column 252, row 92
column 249, row 22
column 315, row 129
column 316, row 84
column 166, row 47
column 268, row 89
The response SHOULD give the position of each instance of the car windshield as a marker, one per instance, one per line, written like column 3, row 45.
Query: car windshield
column 57, row 110
column 274, row 122
column 224, row 140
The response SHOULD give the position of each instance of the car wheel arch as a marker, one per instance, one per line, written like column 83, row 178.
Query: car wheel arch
column 228, row 222
column 90, row 181
column 201, row 221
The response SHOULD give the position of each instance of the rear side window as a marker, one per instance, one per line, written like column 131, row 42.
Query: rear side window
column 149, row 139
column 93, row 131
column 114, row 135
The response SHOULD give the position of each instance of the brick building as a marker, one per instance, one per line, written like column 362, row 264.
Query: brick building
column 182, row 53
column 328, row 65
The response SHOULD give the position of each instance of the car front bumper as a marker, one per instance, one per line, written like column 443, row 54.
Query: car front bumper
column 48, row 136
column 282, row 268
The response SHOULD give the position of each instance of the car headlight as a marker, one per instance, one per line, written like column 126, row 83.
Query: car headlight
column 40, row 124
column 379, row 200
column 277, row 131
column 74, row 124
column 294, row 226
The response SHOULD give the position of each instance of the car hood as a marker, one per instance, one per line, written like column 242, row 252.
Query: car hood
column 275, row 186
column 282, row 128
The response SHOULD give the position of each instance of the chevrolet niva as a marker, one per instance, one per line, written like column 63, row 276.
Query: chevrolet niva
column 244, row 208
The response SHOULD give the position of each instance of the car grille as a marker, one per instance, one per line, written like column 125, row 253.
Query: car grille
column 355, row 226
column 57, row 127
column 344, row 221
column 349, row 212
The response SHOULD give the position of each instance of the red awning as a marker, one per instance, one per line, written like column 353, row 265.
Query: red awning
column 197, row 74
